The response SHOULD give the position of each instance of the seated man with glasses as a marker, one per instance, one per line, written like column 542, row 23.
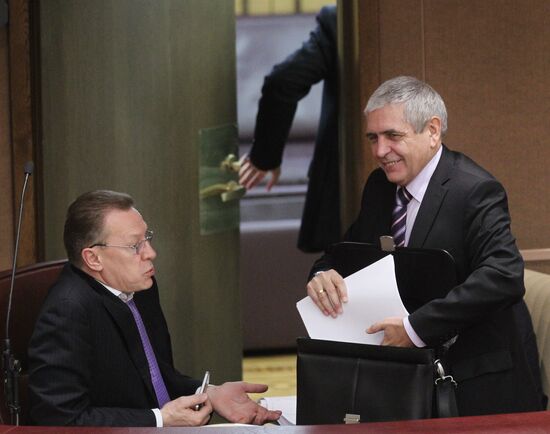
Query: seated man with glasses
column 100, row 353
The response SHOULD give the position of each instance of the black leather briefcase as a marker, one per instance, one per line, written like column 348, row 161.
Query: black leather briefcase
column 342, row 382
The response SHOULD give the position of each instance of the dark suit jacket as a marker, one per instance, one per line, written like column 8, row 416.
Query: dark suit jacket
column 87, row 364
column 465, row 212
column 287, row 84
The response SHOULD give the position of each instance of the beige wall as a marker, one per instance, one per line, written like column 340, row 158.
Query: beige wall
column 6, row 188
column 489, row 61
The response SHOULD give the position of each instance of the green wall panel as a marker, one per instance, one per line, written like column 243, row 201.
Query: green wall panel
column 126, row 87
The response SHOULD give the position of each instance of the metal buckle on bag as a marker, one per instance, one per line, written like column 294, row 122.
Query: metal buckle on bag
column 351, row 419
column 441, row 373
column 387, row 244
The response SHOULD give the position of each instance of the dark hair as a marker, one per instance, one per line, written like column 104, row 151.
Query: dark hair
column 85, row 216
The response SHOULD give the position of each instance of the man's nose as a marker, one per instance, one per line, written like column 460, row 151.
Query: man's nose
column 148, row 251
column 381, row 148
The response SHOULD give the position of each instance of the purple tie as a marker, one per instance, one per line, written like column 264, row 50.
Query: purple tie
column 399, row 217
column 156, row 376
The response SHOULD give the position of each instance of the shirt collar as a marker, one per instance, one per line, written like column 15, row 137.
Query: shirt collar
column 124, row 296
column 418, row 186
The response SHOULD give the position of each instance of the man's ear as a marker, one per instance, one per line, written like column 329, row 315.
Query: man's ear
column 91, row 259
column 434, row 129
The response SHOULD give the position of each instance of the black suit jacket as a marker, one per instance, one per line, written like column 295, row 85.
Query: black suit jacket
column 285, row 85
column 87, row 364
column 465, row 212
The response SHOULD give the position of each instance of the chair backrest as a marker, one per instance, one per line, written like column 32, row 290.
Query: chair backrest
column 537, row 298
column 30, row 289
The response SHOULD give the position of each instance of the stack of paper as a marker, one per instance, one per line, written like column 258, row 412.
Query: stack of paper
column 372, row 296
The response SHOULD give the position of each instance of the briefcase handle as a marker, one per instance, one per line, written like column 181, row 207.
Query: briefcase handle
column 445, row 386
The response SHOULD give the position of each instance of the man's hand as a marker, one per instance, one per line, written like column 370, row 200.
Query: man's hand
column 230, row 400
column 181, row 411
column 328, row 291
column 395, row 334
column 250, row 175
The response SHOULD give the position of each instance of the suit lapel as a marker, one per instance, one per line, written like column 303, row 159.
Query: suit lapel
column 376, row 209
column 433, row 198
column 126, row 326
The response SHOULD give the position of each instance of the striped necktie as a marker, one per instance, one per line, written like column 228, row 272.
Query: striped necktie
column 156, row 376
column 399, row 216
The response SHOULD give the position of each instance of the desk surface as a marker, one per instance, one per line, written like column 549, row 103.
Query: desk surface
column 517, row 423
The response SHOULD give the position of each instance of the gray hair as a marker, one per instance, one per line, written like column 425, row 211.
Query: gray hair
column 421, row 101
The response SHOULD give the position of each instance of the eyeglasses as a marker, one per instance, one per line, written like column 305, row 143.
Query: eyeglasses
column 137, row 248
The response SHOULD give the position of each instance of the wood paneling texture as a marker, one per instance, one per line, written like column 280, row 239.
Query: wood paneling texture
column 126, row 87
column 22, row 140
column 16, row 136
column 6, row 187
column 488, row 60
column 351, row 167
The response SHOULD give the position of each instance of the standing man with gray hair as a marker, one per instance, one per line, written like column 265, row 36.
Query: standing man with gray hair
column 100, row 353
column 427, row 196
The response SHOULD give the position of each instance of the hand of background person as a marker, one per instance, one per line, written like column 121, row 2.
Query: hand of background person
column 394, row 332
column 250, row 175
column 328, row 291
column 231, row 401
column 181, row 411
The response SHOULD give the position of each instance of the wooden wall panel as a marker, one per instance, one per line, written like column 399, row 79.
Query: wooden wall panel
column 349, row 112
column 401, row 38
column 22, row 134
column 488, row 61
column 6, row 187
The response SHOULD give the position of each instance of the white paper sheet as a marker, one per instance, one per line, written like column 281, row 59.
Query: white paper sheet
column 287, row 404
column 372, row 297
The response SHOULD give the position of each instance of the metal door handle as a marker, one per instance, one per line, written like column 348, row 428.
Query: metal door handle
column 231, row 164
column 228, row 191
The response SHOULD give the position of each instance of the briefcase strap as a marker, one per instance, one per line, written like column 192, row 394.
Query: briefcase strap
column 445, row 386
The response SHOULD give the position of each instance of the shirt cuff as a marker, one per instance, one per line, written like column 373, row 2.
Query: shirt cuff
column 158, row 417
column 412, row 334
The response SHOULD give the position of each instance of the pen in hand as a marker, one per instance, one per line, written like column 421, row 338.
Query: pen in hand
column 202, row 389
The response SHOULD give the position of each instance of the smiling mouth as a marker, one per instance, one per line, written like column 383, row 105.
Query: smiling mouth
column 390, row 163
